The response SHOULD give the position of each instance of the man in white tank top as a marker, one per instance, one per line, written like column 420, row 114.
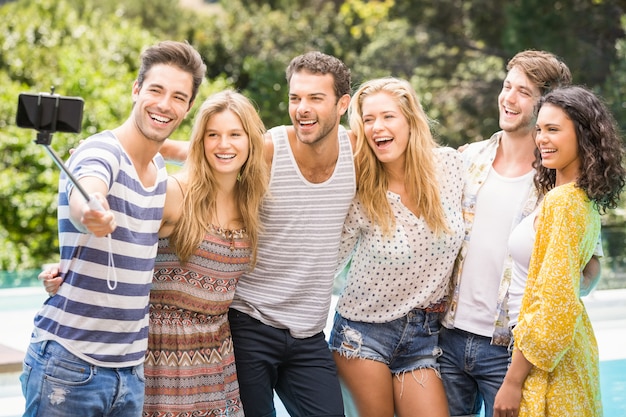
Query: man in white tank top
column 499, row 192
column 280, row 308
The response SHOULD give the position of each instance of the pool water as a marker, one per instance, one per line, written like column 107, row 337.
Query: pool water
column 613, row 386
column 19, row 305
column 19, row 279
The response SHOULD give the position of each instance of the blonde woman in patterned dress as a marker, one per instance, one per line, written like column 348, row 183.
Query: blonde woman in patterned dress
column 554, row 368
column 208, row 239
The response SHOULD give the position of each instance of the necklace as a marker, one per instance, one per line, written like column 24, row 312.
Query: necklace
column 229, row 234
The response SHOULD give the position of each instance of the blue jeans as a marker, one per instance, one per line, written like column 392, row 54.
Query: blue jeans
column 472, row 370
column 56, row 383
column 302, row 371
column 404, row 344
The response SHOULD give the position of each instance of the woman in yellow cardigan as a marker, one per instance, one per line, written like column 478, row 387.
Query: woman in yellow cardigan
column 554, row 367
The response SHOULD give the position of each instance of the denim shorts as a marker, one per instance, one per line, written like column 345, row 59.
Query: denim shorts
column 405, row 344
column 55, row 383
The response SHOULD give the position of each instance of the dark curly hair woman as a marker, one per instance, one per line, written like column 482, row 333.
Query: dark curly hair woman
column 554, row 368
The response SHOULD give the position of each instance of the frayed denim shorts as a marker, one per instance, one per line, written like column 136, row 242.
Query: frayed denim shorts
column 405, row 344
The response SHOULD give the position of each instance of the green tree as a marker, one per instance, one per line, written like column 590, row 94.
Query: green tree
column 453, row 52
column 49, row 45
column 82, row 52
column 251, row 44
column 614, row 88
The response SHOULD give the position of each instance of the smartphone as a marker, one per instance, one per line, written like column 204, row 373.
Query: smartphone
column 50, row 112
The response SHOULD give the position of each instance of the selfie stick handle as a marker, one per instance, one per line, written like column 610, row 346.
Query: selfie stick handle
column 91, row 201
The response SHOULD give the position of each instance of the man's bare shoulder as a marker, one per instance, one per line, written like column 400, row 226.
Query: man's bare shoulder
column 268, row 148
column 352, row 137
column 290, row 130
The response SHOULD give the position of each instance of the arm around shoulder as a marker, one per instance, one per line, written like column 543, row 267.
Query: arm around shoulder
column 174, row 150
column 173, row 205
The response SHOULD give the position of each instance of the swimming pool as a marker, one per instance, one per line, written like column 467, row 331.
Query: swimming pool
column 18, row 279
column 613, row 385
column 607, row 310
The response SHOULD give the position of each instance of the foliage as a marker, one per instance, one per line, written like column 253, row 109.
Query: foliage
column 614, row 88
column 51, row 46
column 587, row 46
column 251, row 43
column 452, row 51
column 82, row 53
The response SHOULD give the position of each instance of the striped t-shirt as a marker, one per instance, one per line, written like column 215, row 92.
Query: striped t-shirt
column 291, row 285
column 100, row 313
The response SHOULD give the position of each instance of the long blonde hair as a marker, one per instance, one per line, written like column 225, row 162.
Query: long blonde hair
column 200, row 199
column 420, row 170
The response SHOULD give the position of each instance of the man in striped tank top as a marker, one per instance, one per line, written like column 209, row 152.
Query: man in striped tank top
column 280, row 308
column 88, row 345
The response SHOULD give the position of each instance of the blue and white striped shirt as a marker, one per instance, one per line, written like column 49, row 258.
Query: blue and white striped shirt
column 100, row 313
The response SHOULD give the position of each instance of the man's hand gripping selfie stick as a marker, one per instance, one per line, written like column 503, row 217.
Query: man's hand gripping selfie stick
column 48, row 113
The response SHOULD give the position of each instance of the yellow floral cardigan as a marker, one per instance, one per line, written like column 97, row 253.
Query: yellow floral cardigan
column 554, row 332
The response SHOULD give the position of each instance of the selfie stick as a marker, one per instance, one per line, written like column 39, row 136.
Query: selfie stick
column 45, row 138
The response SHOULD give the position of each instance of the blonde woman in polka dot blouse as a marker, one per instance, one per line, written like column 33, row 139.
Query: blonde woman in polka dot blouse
column 400, row 240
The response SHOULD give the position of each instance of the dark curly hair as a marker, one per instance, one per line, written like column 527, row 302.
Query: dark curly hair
column 600, row 147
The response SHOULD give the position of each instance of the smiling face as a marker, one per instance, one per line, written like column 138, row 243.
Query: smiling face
column 386, row 128
column 162, row 101
column 516, row 103
column 314, row 109
column 556, row 140
column 226, row 143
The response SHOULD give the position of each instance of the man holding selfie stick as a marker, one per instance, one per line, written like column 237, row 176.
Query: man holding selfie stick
column 89, row 341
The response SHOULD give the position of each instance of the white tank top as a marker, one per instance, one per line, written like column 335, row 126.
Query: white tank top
column 291, row 285
column 521, row 244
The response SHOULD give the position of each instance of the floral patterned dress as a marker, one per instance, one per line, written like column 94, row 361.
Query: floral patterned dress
column 554, row 331
column 190, row 364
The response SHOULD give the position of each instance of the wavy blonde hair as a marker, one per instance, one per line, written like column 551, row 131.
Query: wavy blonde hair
column 199, row 201
column 420, row 171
